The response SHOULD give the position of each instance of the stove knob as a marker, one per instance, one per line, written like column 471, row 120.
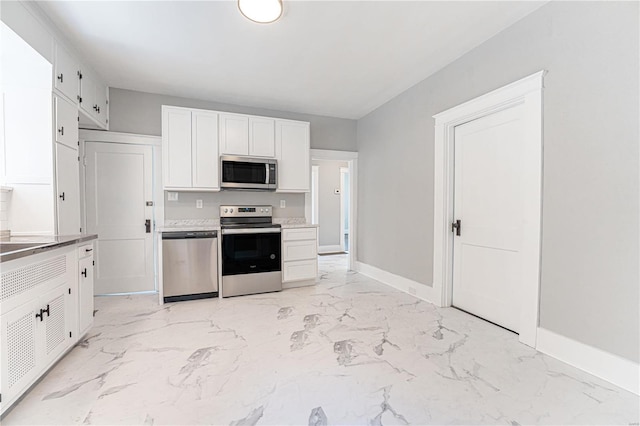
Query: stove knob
column 261, row 210
column 230, row 210
column 226, row 210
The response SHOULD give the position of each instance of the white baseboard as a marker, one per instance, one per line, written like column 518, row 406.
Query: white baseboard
column 406, row 285
column 330, row 249
column 612, row 368
column 296, row 284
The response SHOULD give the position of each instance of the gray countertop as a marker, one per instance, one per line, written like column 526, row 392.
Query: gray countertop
column 16, row 247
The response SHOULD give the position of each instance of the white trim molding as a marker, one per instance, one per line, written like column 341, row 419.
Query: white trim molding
column 414, row 288
column 528, row 93
column 117, row 137
column 612, row 368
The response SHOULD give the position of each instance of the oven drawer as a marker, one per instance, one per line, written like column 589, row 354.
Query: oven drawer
column 299, row 270
column 299, row 250
column 296, row 234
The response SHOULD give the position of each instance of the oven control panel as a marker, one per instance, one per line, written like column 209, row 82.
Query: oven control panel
column 246, row 211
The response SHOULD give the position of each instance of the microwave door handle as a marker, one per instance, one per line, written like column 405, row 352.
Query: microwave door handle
column 267, row 174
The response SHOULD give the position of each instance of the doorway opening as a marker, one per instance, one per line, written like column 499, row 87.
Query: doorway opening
column 331, row 202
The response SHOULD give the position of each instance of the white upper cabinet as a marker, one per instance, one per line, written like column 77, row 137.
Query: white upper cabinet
column 67, row 190
column 247, row 135
column 189, row 149
column 66, row 118
column 204, row 145
column 234, row 134
column 66, row 73
column 293, row 155
column 176, row 147
column 262, row 137
column 93, row 101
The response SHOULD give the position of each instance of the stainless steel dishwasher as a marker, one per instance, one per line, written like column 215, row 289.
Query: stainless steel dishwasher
column 189, row 265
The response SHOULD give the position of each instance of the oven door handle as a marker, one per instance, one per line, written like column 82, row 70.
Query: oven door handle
column 251, row 231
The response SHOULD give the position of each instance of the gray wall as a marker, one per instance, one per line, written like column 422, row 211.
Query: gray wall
column 139, row 112
column 589, row 288
column 328, row 202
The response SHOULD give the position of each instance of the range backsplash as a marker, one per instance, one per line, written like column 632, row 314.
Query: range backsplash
column 185, row 207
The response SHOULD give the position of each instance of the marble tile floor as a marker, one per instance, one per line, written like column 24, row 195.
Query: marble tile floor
column 347, row 351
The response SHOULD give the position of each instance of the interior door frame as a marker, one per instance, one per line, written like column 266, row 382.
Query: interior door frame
column 351, row 157
column 343, row 171
column 527, row 92
column 155, row 142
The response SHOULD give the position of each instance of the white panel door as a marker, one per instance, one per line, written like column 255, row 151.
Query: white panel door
column 88, row 94
column 262, row 137
column 204, row 144
column 66, row 79
column 118, row 186
column 292, row 152
column 176, row 147
column 234, row 134
column 489, row 204
column 67, row 190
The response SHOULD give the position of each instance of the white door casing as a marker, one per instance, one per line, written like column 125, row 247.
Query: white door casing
column 488, row 204
column 527, row 92
column 118, row 186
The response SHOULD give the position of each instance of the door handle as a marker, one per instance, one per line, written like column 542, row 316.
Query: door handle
column 84, row 272
column 147, row 226
column 456, row 227
column 61, row 130
column 61, row 196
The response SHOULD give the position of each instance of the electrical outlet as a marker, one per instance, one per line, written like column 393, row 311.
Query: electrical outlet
column 173, row 196
column 283, row 204
column 198, row 204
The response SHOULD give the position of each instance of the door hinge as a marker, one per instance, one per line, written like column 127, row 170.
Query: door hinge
column 80, row 230
column 80, row 75
column 69, row 291
column 93, row 262
column 78, row 143
column 78, row 159
column 456, row 227
column 70, row 335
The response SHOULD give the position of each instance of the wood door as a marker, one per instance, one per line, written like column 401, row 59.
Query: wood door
column 487, row 278
column 118, row 186
column 67, row 190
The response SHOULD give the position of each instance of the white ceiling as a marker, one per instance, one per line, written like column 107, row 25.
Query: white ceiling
column 334, row 58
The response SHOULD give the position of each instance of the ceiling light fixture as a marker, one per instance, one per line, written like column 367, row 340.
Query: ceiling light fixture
column 261, row 11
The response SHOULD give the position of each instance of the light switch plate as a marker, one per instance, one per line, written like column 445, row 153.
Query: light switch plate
column 198, row 204
column 173, row 196
column 283, row 204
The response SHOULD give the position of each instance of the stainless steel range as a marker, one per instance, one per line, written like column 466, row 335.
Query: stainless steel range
column 250, row 250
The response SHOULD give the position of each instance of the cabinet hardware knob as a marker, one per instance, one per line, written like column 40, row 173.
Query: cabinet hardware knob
column 88, row 250
column 61, row 130
column 45, row 310
column 61, row 78
column 61, row 196
column 84, row 272
column 39, row 315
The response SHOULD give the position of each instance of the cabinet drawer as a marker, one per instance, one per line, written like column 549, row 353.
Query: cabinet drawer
column 295, row 234
column 299, row 250
column 300, row 270
column 85, row 250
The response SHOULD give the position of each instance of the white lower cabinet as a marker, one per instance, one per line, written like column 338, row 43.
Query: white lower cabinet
column 85, row 288
column 39, row 307
column 299, row 254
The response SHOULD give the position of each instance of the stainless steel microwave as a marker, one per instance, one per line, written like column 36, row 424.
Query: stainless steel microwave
column 248, row 173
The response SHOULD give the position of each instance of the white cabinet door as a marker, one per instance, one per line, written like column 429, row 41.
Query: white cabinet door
column 55, row 311
column 68, row 190
column 19, row 356
column 204, row 145
column 176, row 147
column 293, row 154
column 234, row 134
column 85, row 294
column 88, row 94
column 66, row 74
column 102, row 107
column 66, row 115
column 262, row 137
